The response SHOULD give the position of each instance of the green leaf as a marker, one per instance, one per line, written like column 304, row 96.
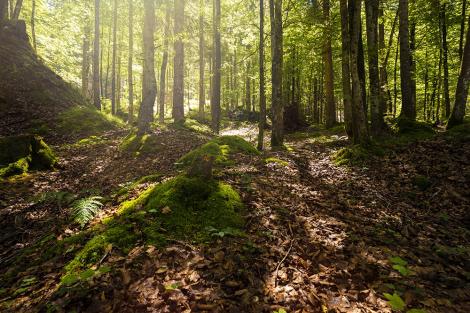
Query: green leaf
column 87, row 274
column 104, row 269
column 395, row 301
column 84, row 210
column 398, row 261
column 69, row 279
column 402, row 269
column 416, row 311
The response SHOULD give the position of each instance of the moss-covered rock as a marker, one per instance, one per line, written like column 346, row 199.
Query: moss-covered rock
column 86, row 120
column 184, row 208
column 140, row 144
column 18, row 154
column 220, row 149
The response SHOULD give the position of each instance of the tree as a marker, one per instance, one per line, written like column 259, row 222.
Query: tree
column 161, row 97
column 33, row 24
column 262, row 92
column 130, row 60
column 461, row 93
column 215, row 103
column 445, row 52
column 17, row 11
column 149, row 85
column 113, row 66
column 85, row 59
column 96, row 58
column 178, row 64
column 408, row 109
column 330, row 106
column 372, row 18
column 346, row 72
column 202, row 63
column 462, row 28
column 275, row 11
column 360, row 129
column 3, row 10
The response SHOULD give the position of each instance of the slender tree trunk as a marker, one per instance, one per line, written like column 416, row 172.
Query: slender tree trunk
column 33, row 24
column 362, row 71
column 216, row 85
column 130, row 77
column 395, row 88
column 262, row 91
column 106, row 85
column 96, row 58
column 413, row 63
column 149, row 85
column 408, row 110
column 161, row 97
column 3, row 11
column 386, row 97
column 345, row 51
column 462, row 28
column 330, row 112
column 17, row 11
column 372, row 18
column 277, row 137
column 202, row 85
column 360, row 129
column 426, row 86
column 247, row 87
column 461, row 93
column 445, row 52
column 85, row 59
column 439, row 86
column 118, row 82
column 178, row 64
column 113, row 66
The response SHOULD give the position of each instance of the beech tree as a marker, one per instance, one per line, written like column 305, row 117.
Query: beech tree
column 96, row 58
column 178, row 64
column 408, row 110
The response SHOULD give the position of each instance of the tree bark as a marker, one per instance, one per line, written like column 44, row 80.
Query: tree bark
column 113, row 66
column 161, row 96
column 3, row 11
column 178, row 64
column 96, row 58
column 360, row 129
column 461, row 93
column 149, row 84
column 408, row 110
column 202, row 85
column 345, row 54
column 277, row 136
column 330, row 110
column 216, row 85
column 462, row 28
column 372, row 18
column 262, row 92
column 386, row 97
column 130, row 77
column 17, row 11
column 443, row 18
column 362, row 71
column 85, row 58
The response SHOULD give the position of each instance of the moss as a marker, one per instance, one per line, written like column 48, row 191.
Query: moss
column 357, row 154
column 276, row 161
column 193, row 125
column 220, row 148
column 141, row 145
column 18, row 154
column 132, row 185
column 89, row 141
column 406, row 126
column 86, row 120
column 183, row 208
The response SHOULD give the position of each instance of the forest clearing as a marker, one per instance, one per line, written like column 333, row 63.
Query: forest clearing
column 234, row 156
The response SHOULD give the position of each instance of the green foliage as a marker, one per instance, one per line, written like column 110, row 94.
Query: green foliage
column 400, row 265
column 193, row 125
column 89, row 141
column 86, row 120
column 395, row 301
column 84, row 210
column 277, row 161
column 132, row 185
column 220, row 148
column 357, row 154
column 405, row 126
column 141, row 145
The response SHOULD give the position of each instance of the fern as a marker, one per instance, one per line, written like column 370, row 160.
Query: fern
column 84, row 210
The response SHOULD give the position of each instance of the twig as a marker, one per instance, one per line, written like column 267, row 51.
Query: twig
column 285, row 257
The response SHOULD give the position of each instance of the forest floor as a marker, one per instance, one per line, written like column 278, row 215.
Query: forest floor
column 318, row 237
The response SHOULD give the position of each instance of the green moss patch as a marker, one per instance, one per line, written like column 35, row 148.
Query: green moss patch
column 356, row 154
column 193, row 125
column 220, row 148
column 276, row 161
column 183, row 208
column 86, row 120
column 18, row 154
column 141, row 144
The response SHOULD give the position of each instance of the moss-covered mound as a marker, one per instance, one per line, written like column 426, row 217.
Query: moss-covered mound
column 18, row 154
column 182, row 208
column 193, row 125
column 357, row 154
column 140, row 144
column 220, row 148
column 85, row 120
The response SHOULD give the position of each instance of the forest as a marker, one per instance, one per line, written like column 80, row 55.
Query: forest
column 272, row 156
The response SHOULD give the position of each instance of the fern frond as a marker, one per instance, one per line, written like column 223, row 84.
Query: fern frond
column 84, row 210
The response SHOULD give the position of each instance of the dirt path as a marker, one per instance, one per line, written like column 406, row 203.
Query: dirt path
column 319, row 238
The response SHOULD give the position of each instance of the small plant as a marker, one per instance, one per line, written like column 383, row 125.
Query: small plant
column 84, row 210
column 395, row 301
column 400, row 265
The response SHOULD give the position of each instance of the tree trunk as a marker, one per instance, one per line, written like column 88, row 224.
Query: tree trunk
column 113, row 66
column 149, row 84
column 443, row 18
column 178, row 64
column 202, row 85
column 161, row 96
column 262, row 92
column 395, row 88
column 85, row 59
column 386, row 97
column 96, row 58
column 330, row 110
column 462, row 28
column 3, row 11
column 247, row 87
column 372, row 18
column 461, row 93
column 33, row 25
column 215, row 103
column 426, row 87
column 408, row 109
column 346, row 48
column 362, row 71
column 360, row 129
column 277, row 137
column 17, row 11
column 130, row 77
